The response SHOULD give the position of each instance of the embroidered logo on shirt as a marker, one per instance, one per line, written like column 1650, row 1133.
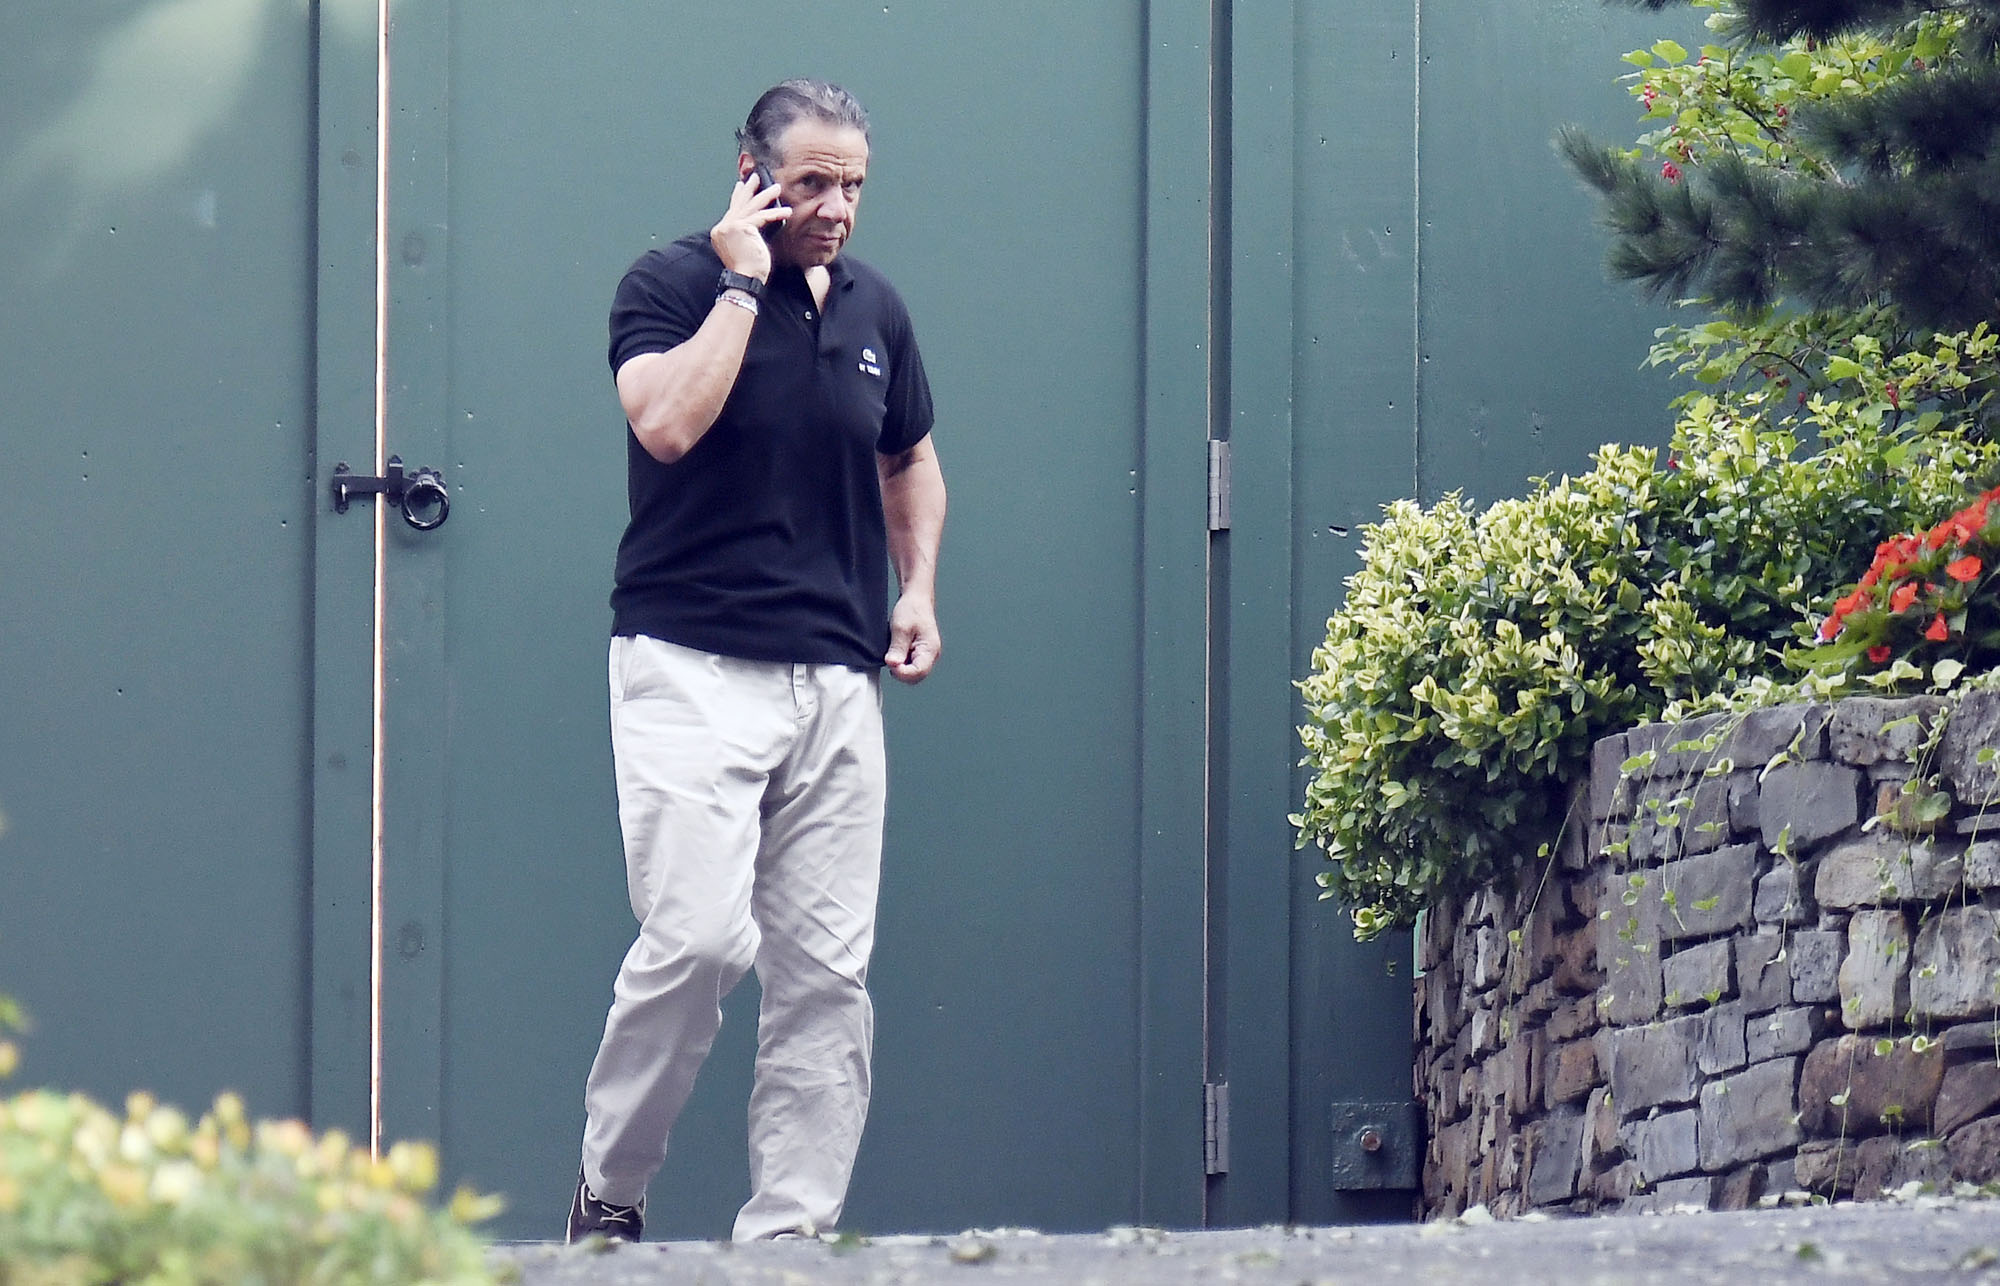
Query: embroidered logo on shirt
column 868, row 364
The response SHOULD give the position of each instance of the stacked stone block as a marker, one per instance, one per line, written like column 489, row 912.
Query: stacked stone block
column 1757, row 961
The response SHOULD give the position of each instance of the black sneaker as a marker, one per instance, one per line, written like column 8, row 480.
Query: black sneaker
column 589, row 1217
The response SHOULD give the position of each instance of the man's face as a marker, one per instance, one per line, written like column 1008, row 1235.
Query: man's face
column 819, row 171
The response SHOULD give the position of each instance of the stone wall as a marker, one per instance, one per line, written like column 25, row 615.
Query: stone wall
column 1764, row 957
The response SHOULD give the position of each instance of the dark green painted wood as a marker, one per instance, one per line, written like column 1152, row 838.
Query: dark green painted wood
column 1355, row 410
column 1429, row 359
column 1255, row 658
column 418, row 720
column 1530, row 356
column 1025, row 835
column 1173, row 545
column 156, row 304
column 344, row 571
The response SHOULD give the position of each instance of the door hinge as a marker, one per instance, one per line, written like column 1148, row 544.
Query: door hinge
column 1218, row 485
column 1215, row 1128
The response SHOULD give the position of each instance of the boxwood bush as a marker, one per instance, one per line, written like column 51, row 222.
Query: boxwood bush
column 1477, row 655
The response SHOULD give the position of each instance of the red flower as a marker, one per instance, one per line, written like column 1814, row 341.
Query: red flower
column 1964, row 525
column 1830, row 628
column 1878, row 654
column 1670, row 172
column 1965, row 569
column 1902, row 596
column 1937, row 633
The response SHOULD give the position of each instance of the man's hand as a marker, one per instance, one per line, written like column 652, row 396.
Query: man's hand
column 913, row 638
column 913, row 514
column 738, row 237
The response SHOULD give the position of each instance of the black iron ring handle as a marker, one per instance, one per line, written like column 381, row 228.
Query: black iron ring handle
column 426, row 490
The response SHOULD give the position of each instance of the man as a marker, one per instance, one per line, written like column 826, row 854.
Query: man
column 779, row 460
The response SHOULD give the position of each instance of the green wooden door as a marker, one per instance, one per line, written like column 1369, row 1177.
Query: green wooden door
column 354, row 852
column 1038, row 978
column 1449, row 328
column 157, row 357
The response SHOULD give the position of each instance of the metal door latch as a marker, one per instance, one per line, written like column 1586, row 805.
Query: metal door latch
column 1377, row 1145
column 422, row 495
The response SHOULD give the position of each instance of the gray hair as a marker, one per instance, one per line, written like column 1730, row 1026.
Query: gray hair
column 785, row 104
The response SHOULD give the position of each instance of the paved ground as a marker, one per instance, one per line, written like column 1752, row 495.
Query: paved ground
column 1920, row 1240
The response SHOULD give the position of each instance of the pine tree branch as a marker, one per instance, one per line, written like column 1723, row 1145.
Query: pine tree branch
column 1777, row 21
column 1906, row 211
column 1933, row 122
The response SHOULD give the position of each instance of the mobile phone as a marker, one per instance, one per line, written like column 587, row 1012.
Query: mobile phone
column 764, row 180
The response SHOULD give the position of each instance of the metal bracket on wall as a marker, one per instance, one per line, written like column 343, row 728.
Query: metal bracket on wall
column 1376, row 1145
column 422, row 495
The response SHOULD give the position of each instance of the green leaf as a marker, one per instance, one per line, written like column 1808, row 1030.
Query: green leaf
column 1842, row 368
column 1639, row 58
column 1946, row 672
column 1934, row 807
column 1669, row 51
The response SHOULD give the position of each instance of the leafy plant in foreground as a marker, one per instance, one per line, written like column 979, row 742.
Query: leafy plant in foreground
column 88, row 1196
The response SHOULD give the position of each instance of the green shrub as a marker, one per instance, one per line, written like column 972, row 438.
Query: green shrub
column 90, row 1197
column 1478, row 655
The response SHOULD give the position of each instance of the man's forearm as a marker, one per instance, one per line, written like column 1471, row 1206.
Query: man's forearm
column 913, row 509
column 671, row 399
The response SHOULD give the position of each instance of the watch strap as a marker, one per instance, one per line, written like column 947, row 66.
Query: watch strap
column 729, row 280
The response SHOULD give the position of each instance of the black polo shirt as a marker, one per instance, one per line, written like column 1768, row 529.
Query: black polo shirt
column 765, row 541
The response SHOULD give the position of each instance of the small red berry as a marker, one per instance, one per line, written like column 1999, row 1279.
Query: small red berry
column 1670, row 172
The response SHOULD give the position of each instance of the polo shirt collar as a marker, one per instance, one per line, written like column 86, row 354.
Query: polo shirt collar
column 792, row 278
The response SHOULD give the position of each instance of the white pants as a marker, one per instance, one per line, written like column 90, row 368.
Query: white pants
column 750, row 795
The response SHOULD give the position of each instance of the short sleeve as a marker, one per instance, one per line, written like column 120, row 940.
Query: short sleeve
column 656, row 307
column 908, row 417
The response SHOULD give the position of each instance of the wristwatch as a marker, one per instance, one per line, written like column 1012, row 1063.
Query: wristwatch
column 750, row 286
